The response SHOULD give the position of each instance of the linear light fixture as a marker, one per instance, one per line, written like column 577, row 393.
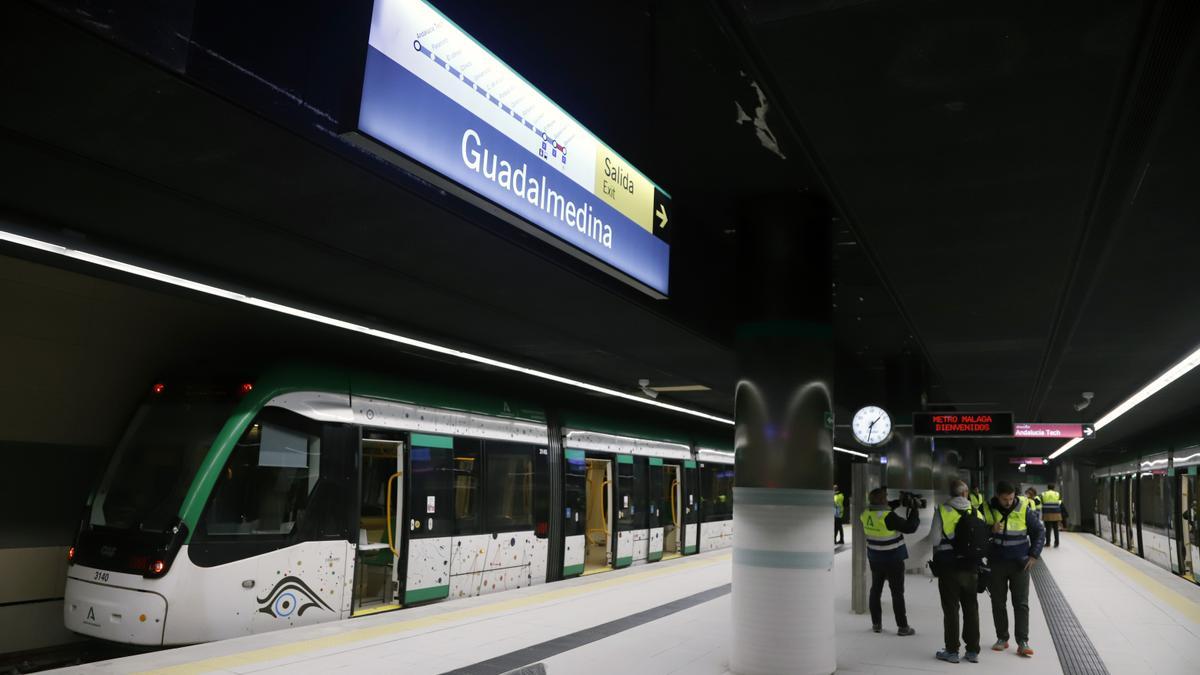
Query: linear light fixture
column 851, row 452
column 235, row 296
column 1173, row 373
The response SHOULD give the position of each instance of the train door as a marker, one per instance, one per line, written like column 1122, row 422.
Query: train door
column 1133, row 531
column 691, row 507
column 433, row 469
column 1120, row 508
column 1114, row 510
column 625, row 503
column 598, row 535
column 672, row 496
column 1188, row 544
column 575, row 512
column 1175, row 512
column 378, row 565
column 659, row 511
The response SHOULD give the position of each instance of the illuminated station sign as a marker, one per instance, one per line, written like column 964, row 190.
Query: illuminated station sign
column 963, row 424
column 436, row 96
column 1042, row 430
column 993, row 425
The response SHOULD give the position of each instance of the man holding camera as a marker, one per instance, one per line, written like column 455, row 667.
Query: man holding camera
column 1017, row 537
column 886, row 553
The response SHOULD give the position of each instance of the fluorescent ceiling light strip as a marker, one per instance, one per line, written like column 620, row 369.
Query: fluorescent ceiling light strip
column 1173, row 373
column 850, row 452
column 338, row 323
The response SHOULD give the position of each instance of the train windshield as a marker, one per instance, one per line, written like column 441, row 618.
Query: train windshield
column 155, row 463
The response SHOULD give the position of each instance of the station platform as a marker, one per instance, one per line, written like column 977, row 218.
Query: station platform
column 1095, row 609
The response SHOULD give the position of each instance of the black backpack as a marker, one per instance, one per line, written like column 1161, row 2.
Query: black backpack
column 972, row 536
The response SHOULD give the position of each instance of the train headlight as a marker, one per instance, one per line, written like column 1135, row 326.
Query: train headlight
column 71, row 556
column 158, row 567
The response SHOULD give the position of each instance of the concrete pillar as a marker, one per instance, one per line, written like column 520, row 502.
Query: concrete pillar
column 783, row 500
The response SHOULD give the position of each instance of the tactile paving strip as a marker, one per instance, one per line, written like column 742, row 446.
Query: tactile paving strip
column 524, row 661
column 1076, row 653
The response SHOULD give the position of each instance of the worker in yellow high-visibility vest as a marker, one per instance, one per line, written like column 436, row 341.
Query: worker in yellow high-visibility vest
column 839, row 504
column 1017, row 537
column 958, row 575
column 1052, row 513
column 886, row 553
column 976, row 498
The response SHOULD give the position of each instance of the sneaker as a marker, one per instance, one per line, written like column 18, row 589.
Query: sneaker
column 973, row 657
column 1000, row 645
column 1023, row 649
column 951, row 657
column 877, row 628
column 906, row 630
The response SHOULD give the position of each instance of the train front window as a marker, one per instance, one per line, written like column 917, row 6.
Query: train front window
column 155, row 463
column 268, row 481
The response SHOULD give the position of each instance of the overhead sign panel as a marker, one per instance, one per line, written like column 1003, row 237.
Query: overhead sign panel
column 434, row 94
column 963, row 424
column 1041, row 430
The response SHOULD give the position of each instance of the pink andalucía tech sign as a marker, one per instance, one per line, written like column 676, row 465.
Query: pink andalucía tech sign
column 1039, row 430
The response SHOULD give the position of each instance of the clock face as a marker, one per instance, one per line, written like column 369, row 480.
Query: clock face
column 871, row 425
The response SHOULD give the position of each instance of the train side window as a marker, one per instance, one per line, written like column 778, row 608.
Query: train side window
column 716, row 482
column 509, row 494
column 266, row 485
column 467, row 488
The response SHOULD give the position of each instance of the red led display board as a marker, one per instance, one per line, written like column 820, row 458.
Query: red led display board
column 963, row 425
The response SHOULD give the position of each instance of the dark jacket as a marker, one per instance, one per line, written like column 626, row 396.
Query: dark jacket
column 1029, row 546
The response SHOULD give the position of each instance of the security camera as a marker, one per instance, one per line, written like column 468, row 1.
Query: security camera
column 1087, row 400
column 644, row 385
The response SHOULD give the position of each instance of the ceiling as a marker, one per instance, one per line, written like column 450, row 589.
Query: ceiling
column 1014, row 190
column 1022, row 178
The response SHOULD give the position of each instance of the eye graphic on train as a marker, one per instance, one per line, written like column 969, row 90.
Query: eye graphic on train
column 290, row 596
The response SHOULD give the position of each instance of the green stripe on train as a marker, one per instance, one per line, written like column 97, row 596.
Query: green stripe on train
column 624, row 459
column 654, row 556
column 688, row 550
column 624, row 562
column 572, row 570
column 574, row 454
column 423, row 594
column 431, row 441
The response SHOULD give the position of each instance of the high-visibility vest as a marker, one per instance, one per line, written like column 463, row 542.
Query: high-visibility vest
column 1016, row 531
column 976, row 499
column 950, row 518
column 883, row 543
column 1051, row 502
column 1037, row 503
column 839, row 500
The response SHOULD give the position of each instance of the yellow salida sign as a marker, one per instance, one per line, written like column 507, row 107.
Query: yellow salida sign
column 624, row 188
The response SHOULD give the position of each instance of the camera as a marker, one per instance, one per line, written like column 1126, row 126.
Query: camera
column 909, row 500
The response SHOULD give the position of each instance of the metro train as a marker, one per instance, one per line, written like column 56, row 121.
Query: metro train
column 1148, row 506
column 313, row 495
